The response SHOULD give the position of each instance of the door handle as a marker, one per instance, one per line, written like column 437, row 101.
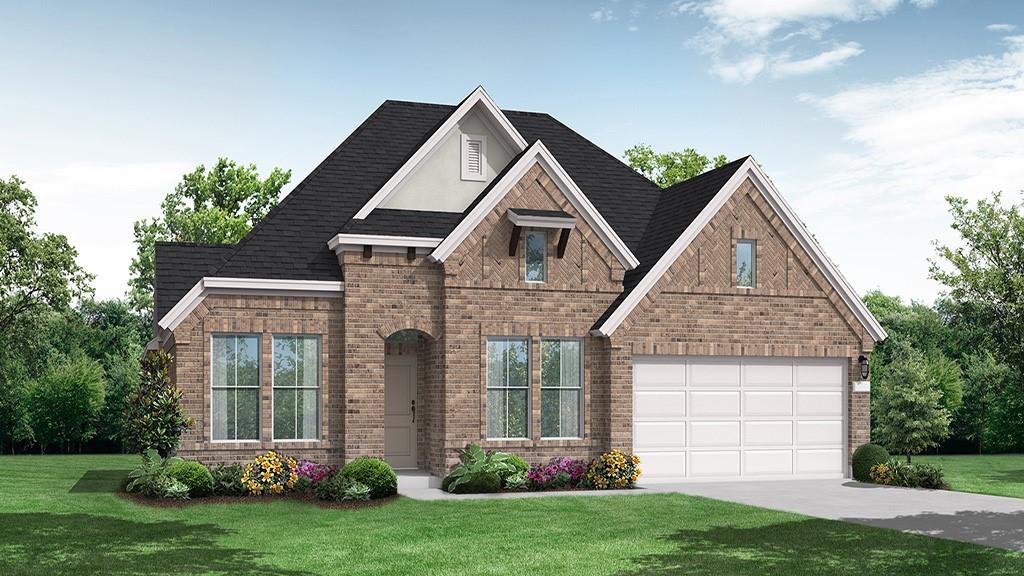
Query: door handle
column 413, row 408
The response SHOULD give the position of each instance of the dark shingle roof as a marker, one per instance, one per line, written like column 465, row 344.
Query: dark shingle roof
column 542, row 213
column 178, row 266
column 416, row 223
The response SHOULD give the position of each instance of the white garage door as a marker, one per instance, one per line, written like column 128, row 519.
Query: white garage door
column 738, row 418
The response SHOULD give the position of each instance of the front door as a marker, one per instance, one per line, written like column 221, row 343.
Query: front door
column 400, row 411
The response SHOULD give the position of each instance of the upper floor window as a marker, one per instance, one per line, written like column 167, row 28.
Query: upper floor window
column 296, row 387
column 508, row 387
column 746, row 263
column 474, row 157
column 536, row 256
column 235, row 375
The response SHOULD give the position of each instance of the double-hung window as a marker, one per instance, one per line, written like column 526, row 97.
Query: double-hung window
column 235, row 372
column 561, row 389
column 296, row 387
column 508, row 387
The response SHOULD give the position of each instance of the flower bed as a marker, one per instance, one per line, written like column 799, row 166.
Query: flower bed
column 480, row 471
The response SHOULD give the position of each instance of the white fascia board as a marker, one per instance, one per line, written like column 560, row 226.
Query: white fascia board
column 342, row 240
column 748, row 169
column 541, row 221
column 211, row 285
column 537, row 153
column 497, row 119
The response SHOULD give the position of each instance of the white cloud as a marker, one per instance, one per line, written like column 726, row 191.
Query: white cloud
column 955, row 130
column 602, row 15
column 826, row 60
column 632, row 28
column 1001, row 27
column 736, row 29
column 95, row 204
column 741, row 71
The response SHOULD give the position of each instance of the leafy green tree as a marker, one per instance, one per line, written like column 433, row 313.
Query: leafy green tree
column 14, row 426
column 984, row 378
column 217, row 206
column 154, row 418
column 908, row 407
column 986, row 271
column 945, row 374
column 668, row 168
column 37, row 271
column 64, row 404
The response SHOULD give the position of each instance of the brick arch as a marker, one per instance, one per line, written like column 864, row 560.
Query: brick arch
column 425, row 327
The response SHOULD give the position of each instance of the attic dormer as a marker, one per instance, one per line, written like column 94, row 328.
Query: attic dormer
column 454, row 165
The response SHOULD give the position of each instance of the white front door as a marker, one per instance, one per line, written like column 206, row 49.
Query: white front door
column 400, row 411
column 739, row 418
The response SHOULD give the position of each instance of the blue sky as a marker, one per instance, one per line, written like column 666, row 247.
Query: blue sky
column 865, row 113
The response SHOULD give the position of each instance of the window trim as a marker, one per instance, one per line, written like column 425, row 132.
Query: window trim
column 528, row 388
column 319, row 388
column 580, row 388
column 544, row 257
column 464, row 157
column 753, row 263
column 259, row 386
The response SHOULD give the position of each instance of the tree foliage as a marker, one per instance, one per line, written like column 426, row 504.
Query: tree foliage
column 37, row 271
column 668, row 168
column 154, row 418
column 218, row 205
column 909, row 413
column 63, row 405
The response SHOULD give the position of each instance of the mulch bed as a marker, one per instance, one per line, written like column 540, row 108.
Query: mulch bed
column 307, row 497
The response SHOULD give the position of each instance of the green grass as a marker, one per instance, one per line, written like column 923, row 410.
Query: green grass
column 998, row 474
column 48, row 529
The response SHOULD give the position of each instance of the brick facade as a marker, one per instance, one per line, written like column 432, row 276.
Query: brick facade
column 479, row 292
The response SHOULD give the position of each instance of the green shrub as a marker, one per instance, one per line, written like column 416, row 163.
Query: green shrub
column 375, row 473
column 356, row 491
column 227, row 480
column 150, row 478
column 302, row 484
column 516, row 482
column 865, row 457
column 930, row 477
column 154, row 418
column 477, row 483
column 194, row 475
column 168, row 488
column 476, row 461
column 332, row 488
column 518, row 464
column 899, row 472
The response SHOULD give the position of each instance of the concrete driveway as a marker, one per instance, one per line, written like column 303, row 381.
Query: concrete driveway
column 976, row 518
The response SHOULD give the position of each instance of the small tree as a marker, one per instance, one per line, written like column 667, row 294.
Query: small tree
column 668, row 168
column 63, row 405
column 154, row 418
column 910, row 417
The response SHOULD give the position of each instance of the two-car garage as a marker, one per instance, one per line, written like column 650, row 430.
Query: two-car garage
column 708, row 418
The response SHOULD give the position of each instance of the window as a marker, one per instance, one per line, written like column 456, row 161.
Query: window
column 536, row 256
column 474, row 157
column 561, row 389
column 508, row 387
column 746, row 262
column 235, row 371
column 296, row 387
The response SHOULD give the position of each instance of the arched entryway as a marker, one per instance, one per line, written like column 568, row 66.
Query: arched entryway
column 407, row 403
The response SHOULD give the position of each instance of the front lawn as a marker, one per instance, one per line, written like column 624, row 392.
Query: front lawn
column 48, row 526
column 997, row 474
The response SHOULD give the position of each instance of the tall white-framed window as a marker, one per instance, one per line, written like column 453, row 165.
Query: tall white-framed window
column 746, row 263
column 474, row 157
column 536, row 256
column 296, row 387
column 508, row 387
column 561, row 388
column 235, row 387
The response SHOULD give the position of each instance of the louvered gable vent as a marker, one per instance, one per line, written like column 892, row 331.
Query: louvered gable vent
column 474, row 157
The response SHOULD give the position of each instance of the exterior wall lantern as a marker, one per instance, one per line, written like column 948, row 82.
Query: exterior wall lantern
column 865, row 370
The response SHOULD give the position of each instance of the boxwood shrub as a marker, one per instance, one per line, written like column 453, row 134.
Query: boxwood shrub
column 375, row 473
column 193, row 475
column 865, row 457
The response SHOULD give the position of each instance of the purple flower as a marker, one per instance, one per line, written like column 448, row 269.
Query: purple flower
column 315, row 472
column 558, row 473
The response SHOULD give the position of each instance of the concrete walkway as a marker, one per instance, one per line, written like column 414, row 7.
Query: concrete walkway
column 975, row 518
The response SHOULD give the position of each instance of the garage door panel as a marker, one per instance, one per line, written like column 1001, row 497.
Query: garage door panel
column 663, row 464
column 767, row 373
column 717, row 434
column 714, row 374
column 825, row 461
column 704, row 403
column 661, row 372
column 818, row 432
column 819, row 404
column 767, row 403
column 659, row 435
column 767, row 433
column 819, row 375
column 767, row 462
column 715, row 463
column 657, row 405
